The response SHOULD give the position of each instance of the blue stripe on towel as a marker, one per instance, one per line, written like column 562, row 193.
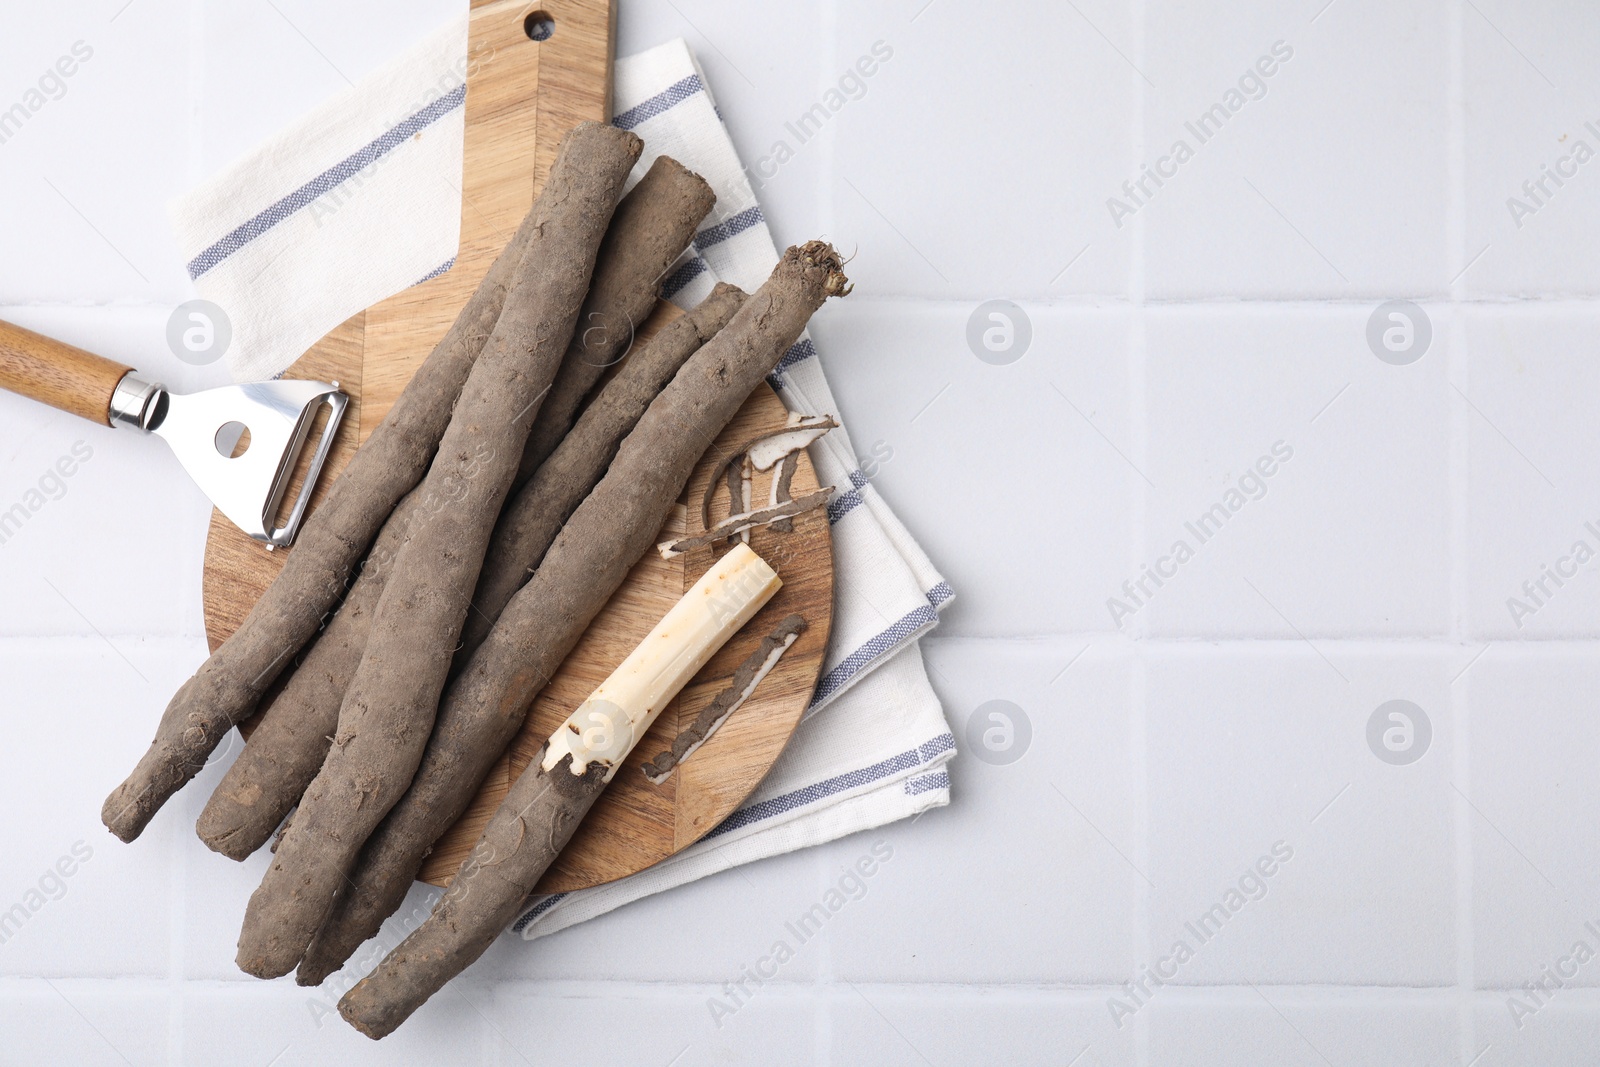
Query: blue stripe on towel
column 919, row 785
column 940, row 593
column 682, row 277
column 728, row 227
column 670, row 97
column 328, row 180
column 766, row 809
column 855, row 662
column 539, row 909
column 435, row 272
column 843, row 504
column 850, row 499
column 810, row 794
column 801, row 350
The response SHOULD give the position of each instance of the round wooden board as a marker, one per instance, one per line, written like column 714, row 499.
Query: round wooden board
column 522, row 96
column 635, row 823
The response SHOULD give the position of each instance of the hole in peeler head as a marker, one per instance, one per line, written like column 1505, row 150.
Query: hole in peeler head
column 232, row 440
column 539, row 26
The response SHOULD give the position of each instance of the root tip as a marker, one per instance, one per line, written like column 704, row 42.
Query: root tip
column 824, row 255
column 122, row 817
column 376, row 1025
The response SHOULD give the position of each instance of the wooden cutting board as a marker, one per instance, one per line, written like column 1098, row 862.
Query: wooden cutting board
column 522, row 96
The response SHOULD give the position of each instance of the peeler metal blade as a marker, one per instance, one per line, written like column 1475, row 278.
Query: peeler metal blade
column 204, row 430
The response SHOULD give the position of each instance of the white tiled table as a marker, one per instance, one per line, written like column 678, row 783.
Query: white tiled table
column 1226, row 715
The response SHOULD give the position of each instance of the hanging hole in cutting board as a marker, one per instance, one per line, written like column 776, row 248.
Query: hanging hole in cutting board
column 539, row 26
column 232, row 439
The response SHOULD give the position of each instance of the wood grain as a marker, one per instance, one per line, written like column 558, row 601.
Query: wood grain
column 55, row 373
column 522, row 96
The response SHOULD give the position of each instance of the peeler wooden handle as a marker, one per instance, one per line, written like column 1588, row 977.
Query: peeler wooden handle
column 58, row 374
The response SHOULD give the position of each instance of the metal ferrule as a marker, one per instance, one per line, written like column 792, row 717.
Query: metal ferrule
column 135, row 402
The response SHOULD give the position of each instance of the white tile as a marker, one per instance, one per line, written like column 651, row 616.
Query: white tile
column 1292, row 1028
column 916, row 1027
column 107, row 516
column 1016, row 478
column 1344, row 537
column 80, row 716
column 89, row 1023
column 301, row 1026
column 554, row 1023
column 1327, row 178
column 1027, row 876
column 86, row 179
column 1531, row 493
column 1318, row 861
column 765, row 66
column 975, row 165
column 709, row 931
column 215, row 889
column 1523, row 122
column 1533, row 803
column 740, row 914
column 1565, row 1029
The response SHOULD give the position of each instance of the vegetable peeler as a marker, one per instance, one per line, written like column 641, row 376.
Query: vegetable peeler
column 240, row 443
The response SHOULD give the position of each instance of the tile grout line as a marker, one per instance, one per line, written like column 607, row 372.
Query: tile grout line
column 1461, row 820
column 491, row 1050
column 1493, row 995
column 1138, row 753
column 1454, row 337
column 827, row 143
column 1139, row 444
column 1457, row 368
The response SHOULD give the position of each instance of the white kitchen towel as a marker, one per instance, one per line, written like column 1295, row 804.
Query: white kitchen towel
column 876, row 757
column 889, row 593
column 879, row 752
column 265, row 239
column 354, row 203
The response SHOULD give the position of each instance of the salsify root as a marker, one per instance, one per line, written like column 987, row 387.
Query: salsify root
column 537, row 511
column 588, row 561
column 389, row 708
column 652, row 224
column 391, row 858
column 317, row 571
